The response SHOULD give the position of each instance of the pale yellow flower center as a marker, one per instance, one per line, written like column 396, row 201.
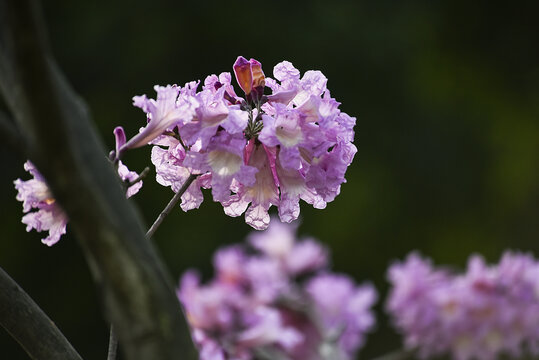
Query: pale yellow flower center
column 224, row 163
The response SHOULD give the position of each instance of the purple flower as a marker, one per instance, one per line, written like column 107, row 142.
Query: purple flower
column 343, row 309
column 286, row 129
column 261, row 195
column 306, row 256
column 483, row 313
column 257, row 302
column 266, row 327
column 224, row 160
column 266, row 278
column 173, row 106
column 129, row 176
column 170, row 171
column 279, row 242
column 276, row 242
column 214, row 111
column 207, row 306
column 326, row 173
column 35, row 194
column 125, row 174
column 229, row 264
column 307, row 141
column 253, row 152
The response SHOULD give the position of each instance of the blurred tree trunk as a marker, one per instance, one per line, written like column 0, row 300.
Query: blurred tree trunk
column 61, row 141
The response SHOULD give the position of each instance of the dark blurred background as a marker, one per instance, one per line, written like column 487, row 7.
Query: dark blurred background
column 446, row 95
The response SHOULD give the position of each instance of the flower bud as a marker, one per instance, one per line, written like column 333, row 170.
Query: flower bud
column 242, row 70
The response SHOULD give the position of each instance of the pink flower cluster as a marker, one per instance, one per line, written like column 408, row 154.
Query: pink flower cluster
column 276, row 299
column 253, row 151
column 35, row 194
column 481, row 314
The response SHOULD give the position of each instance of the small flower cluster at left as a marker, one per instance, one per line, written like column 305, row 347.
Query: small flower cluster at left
column 276, row 298
column 35, row 194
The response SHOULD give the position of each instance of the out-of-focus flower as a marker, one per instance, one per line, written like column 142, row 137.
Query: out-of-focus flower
column 35, row 194
column 262, row 300
column 481, row 314
column 344, row 309
column 255, row 151
column 279, row 242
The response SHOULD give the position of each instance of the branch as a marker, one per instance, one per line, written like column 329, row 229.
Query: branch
column 170, row 205
column 113, row 344
column 62, row 142
column 29, row 325
column 142, row 175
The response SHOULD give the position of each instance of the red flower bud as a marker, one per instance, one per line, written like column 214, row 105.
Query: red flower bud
column 242, row 70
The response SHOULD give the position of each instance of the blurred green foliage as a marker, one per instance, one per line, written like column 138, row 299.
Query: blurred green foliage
column 446, row 94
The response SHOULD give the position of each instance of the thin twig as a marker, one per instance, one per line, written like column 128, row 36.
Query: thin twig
column 170, row 205
column 29, row 325
column 142, row 175
column 113, row 344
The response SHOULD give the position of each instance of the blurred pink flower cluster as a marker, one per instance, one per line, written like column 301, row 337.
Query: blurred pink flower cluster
column 481, row 314
column 275, row 297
